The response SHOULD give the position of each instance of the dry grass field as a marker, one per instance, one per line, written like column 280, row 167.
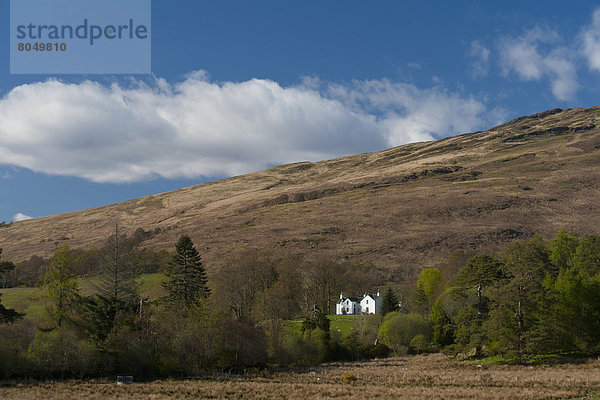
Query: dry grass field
column 421, row 377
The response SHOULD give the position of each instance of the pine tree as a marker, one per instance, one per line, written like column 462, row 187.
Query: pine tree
column 117, row 278
column 390, row 302
column 480, row 272
column 512, row 319
column 115, row 301
column 61, row 284
column 186, row 275
column 443, row 330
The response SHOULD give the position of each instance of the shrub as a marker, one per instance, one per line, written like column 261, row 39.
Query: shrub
column 398, row 330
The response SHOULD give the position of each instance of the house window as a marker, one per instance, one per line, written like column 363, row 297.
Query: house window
column 367, row 310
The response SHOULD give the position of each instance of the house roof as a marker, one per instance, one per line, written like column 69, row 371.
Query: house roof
column 357, row 299
column 372, row 296
column 354, row 299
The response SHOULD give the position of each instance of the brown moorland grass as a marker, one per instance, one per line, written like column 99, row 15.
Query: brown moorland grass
column 407, row 207
column 420, row 377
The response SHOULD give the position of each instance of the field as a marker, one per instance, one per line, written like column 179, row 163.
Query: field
column 339, row 323
column 418, row 377
column 31, row 301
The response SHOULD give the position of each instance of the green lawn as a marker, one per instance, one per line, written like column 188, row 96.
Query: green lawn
column 31, row 301
column 339, row 323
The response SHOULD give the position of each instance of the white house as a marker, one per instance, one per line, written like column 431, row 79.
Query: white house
column 347, row 305
column 369, row 304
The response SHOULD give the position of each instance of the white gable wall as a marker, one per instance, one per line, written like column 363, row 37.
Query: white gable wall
column 370, row 304
column 347, row 306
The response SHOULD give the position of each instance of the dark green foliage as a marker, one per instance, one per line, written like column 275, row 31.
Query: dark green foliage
column 526, row 265
column 568, row 314
column 418, row 301
column 6, row 267
column 479, row 274
column 103, row 317
column 7, row 314
column 390, row 302
column 480, row 270
column 116, row 300
column 15, row 340
column 398, row 331
column 542, row 298
column 443, row 329
column 468, row 328
column 318, row 320
column 368, row 351
column 186, row 275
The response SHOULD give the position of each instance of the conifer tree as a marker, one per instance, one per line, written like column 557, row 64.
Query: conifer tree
column 117, row 278
column 115, row 301
column 390, row 302
column 480, row 272
column 186, row 275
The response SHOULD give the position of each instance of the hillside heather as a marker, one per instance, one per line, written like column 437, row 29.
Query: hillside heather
column 408, row 207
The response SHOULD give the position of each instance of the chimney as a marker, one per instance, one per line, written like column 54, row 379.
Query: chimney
column 378, row 293
column 342, row 296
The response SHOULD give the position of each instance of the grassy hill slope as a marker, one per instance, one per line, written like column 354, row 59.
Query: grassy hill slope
column 409, row 206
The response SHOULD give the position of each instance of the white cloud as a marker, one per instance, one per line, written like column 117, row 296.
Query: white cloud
column 410, row 114
column 535, row 56
column 590, row 36
column 201, row 128
column 563, row 75
column 20, row 217
column 479, row 55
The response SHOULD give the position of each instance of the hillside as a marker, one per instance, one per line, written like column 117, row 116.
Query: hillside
column 410, row 206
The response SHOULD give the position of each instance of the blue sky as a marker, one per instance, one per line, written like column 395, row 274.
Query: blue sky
column 239, row 86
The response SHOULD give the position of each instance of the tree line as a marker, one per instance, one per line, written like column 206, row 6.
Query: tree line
column 536, row 298
column 85, row 262
column 236, row 320
column 262, row 309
